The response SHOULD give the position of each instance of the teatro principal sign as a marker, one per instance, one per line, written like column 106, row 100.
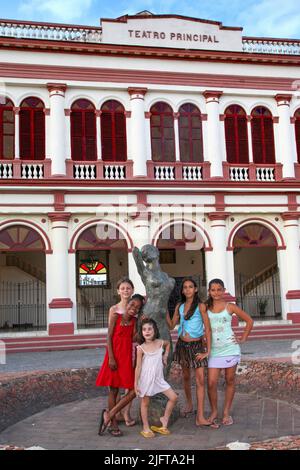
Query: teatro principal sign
column 171, row 31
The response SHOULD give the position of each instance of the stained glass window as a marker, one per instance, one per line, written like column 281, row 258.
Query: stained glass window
column 92, row 272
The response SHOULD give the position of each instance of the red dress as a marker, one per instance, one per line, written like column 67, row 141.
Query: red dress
column 123, row 376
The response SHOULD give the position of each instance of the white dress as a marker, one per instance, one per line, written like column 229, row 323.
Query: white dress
column 151, row 380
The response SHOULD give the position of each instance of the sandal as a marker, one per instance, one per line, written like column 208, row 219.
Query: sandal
column 160, row 430
column 115, row 432
column 102, row 424
column 227, row 421
column 147, row 434
column 130, row 423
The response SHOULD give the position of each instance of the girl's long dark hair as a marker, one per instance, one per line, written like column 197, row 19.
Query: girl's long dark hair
column 196, row 299
column 210, row 302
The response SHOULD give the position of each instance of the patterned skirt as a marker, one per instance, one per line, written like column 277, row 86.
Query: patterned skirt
column 185, row 352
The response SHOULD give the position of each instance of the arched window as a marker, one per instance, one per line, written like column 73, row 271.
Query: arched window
column 297, row 132
column 32, row 129
column 7, row 129
column 262, row 136
column 190, row 133
column 236, row 135
column 113, row 132
column 162, row 133
column 83, row 131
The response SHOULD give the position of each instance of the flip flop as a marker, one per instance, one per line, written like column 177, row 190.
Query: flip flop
column 130, row 423
column 227, row 421
column 115, row 432
column 102, row 424
column 212, row 425
column 160, row 430
column 147, row 434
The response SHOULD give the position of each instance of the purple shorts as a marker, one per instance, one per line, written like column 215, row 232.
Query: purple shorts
column 223, row 362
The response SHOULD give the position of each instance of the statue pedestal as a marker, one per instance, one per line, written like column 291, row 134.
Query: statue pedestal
column 157, row 408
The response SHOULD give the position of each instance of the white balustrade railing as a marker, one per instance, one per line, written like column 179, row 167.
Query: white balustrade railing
column 269, row 46
column 33, row 171
column 265, row 174
column 84, row 172
column 239, row 173
column 53, row 32
column 114, row 172
column 164, row 172
column 6, row 170
column 192, row 173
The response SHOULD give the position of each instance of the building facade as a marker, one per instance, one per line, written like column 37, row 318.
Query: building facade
column 159, row 129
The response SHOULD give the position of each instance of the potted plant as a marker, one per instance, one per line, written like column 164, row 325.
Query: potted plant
column 262, row 305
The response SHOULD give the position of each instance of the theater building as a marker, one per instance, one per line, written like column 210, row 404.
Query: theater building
column 161, row 129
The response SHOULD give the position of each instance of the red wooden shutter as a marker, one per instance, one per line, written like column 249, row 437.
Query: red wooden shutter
column 256, row 130
column 106, row 136
column 269, row 149
column 39, row 134
column 243, row 150
column 230, row 139
column 120, row 133
column 76, row 136
column 25, row 134
column 90, row 136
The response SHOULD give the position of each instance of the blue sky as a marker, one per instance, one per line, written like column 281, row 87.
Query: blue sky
column 268, row 18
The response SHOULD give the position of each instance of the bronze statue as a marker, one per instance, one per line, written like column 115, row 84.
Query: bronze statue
column 159, row 286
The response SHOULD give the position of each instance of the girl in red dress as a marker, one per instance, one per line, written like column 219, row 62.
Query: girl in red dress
column 117, row 370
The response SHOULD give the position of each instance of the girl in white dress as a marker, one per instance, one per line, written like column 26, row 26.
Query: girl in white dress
column 152, row 355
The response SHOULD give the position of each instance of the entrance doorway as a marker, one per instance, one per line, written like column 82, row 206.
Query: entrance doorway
column 256, row 269
column 22, row 280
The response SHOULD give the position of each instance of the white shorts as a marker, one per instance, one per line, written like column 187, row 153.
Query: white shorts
column 223, row 362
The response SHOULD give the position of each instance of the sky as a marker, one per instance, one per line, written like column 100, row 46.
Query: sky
column 267, row 18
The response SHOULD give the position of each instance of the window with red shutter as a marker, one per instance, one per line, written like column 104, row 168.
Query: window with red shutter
column 83, row 131
column 113, row 132
column 32, row 129
column 162, row 133
column 7, row 129
column 236, row 135
column 262, row 136
column 190, row 134
column 297, row 133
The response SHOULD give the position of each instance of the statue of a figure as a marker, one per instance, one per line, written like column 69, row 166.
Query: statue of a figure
column 158, row 284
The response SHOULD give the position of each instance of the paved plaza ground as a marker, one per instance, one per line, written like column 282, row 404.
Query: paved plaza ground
column 74, row 425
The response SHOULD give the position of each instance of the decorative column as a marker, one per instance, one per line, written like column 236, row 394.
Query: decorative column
column 292, row 262
column 219, row 261
column 138, row 131
column 286, row 149
column 17, row 133
column 57, row 128
column 139, row 229
column 98, row 130
column 249, row 133
column 60, row 318
column 214, row 142
column 176, row 135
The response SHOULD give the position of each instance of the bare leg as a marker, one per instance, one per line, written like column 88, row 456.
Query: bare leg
column 172, row 396
column 200, row 391
column 111, row 414
column 126, row 413
column 112, row 397
column 187, row 390
column 213, row 377
column 144, row 413
column 230, row 390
